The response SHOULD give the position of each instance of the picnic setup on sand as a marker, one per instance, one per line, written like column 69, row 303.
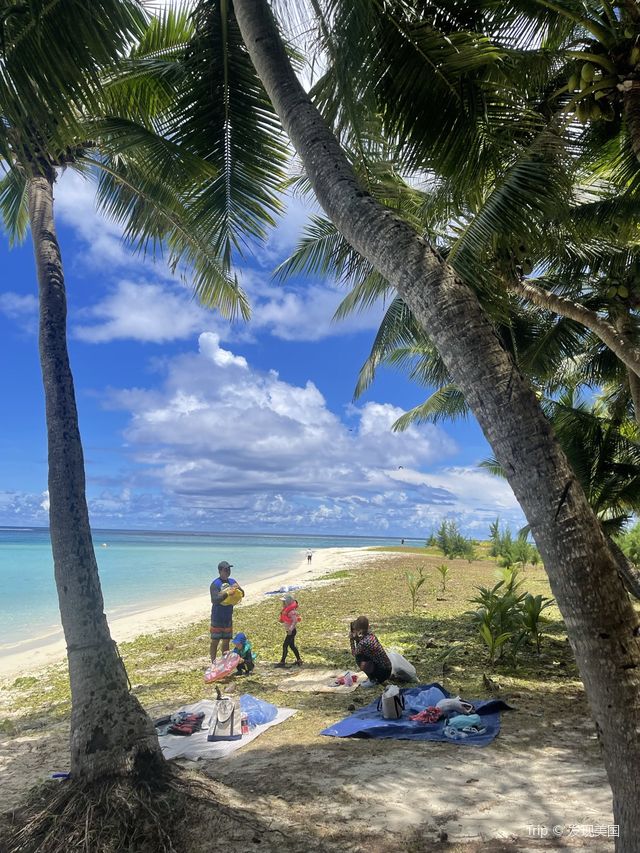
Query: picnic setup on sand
column 214, row 728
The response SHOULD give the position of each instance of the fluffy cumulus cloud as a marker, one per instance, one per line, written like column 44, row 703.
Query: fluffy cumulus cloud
column 142, row 311
column 237, row 448
column 146, row 302
column 24, row 508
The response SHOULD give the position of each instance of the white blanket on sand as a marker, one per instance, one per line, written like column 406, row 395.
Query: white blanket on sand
column 197, row 746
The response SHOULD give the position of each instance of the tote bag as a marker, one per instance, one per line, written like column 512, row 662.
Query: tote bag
column 226, row 723
column 391, row 703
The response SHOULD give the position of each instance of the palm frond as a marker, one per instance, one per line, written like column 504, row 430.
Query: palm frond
column 155, row 216
column 223, row 115
column 446, row 403
column 14, row 205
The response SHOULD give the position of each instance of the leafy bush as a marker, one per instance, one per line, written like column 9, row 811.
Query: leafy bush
column 630, row 544
column 506, row 617
column 509, row 551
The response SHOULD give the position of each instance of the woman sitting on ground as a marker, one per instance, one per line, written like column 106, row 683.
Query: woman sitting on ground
column 369, row 654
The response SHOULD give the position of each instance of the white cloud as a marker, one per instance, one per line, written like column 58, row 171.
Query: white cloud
column 147, row 303
column 306, row 313
column 21, row 309
column 16, row 306
column 231, row 446
column 143, row 312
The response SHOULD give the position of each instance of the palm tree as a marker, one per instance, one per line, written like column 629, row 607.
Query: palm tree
column 510, row 205
column 66, row 104
column 604, row 458
column 599, row 616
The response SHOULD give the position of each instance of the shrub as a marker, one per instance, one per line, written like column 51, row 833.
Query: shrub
column 452, row 543
column 630, row 544
column 506, row 617
column 532, row 608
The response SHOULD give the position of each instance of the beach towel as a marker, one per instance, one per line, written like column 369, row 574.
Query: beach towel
column 316, row 681
column 197, row 747
column 368, row 722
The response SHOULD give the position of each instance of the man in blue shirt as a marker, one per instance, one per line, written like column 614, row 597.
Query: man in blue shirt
column 222, row 614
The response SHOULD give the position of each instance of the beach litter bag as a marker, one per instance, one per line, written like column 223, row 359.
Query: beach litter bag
column 225, row 722
column 258, row 712
column 401, row 668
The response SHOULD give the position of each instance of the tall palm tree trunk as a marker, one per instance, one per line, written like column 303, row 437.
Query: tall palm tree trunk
column 110, row 732
column 601, row 622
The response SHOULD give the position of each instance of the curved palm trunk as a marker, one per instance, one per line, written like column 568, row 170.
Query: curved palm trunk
column 110, row 732
column 619, row 340
column 601, row 622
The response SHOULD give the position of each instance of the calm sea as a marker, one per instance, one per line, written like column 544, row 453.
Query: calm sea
column 138, row 570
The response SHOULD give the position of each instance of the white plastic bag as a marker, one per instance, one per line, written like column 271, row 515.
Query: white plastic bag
column 454, row 705
column 401, row 668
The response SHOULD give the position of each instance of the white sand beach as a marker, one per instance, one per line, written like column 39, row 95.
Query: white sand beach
column 313, row 793
column 33, row 656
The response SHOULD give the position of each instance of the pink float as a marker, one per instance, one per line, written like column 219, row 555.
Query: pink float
column 223, row 667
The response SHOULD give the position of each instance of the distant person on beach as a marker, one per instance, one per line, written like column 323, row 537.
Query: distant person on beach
column 309, row 556
column 368, row 652
column 289, row 617
column 222, row 614
column 242, row 646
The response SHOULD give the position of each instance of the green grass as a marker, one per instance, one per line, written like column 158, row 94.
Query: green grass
column 406, row 549
column 166, row 669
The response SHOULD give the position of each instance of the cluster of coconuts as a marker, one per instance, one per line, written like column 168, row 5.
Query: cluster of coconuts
column 599, row 84
column 620, row 290
column 594, row 105
column 517, row 259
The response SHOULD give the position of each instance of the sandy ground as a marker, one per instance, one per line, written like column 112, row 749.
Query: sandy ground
column 306, row 792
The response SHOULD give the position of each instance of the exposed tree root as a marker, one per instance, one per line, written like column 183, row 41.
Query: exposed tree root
column 117, row 815
column 126, row 815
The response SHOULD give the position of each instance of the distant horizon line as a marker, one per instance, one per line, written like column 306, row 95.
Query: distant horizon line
column 24, row 527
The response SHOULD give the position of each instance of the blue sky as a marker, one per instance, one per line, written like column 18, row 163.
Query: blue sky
column 190, row 423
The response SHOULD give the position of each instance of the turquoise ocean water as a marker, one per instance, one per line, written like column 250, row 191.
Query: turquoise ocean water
column 138, row 570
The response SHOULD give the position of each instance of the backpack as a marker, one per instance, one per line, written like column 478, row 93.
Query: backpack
column 391, row 703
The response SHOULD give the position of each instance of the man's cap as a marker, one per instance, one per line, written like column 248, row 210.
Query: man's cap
column 239, row 638
column 225, row 565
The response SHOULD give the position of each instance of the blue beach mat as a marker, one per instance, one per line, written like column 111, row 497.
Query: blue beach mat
column 368, row 722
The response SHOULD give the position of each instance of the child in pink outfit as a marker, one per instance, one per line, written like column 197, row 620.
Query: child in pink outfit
column 289, row 617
